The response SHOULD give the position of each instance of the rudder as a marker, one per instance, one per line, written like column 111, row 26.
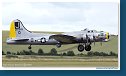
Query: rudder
column 18, row 30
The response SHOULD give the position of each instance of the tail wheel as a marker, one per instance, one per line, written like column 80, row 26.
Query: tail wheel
column 80, row 48
column 88, row 48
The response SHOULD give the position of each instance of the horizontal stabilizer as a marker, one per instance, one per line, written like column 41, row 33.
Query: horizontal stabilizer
column 20, row 39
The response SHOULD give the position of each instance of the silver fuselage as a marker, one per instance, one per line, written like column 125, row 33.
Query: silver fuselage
column 35, row 38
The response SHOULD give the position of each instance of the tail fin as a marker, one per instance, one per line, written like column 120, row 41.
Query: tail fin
column 18, row 30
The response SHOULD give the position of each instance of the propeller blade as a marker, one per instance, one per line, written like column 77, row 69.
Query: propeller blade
column 94, row 39
column 87, row 38
column 101, row 42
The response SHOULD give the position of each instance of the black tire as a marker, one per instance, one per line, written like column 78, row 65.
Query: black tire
column 80, row 48
column 29, row 47
column 88, row 48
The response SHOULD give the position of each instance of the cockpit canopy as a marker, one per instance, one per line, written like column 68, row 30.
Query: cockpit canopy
column 89, row 31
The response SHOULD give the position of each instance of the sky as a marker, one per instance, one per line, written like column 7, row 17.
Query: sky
column 62, row 16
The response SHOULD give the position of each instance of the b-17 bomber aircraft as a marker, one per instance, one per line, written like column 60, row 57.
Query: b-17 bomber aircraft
column 84, row 38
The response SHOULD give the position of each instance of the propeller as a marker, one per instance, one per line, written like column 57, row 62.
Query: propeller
column 94, row 39
column 88, row 39
column 101, row 41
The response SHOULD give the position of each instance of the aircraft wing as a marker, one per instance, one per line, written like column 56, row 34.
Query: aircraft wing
column 20, row 39
column 63, row 38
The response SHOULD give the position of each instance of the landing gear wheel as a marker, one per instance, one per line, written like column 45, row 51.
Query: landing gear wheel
column 80, row 48
column 88, row 48
column 29, row 47
column 58, row 45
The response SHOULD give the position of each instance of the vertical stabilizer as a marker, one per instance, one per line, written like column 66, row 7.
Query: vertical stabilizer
column 18, row 30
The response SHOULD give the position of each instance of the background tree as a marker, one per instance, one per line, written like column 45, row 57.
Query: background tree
column 3, row 53
column 26, row 52
column 53, row 51
column 13, row 53
column 64, row 54
column 8, row 52
column 18, row 53
column 112, row 54
column 70, row 53
column 90, row 53
column 40, row 52
column 22, row 52
column 31, row 52
column 96, row 53
column 81, row 54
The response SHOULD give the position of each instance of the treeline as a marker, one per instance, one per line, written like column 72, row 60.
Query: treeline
column 98, row 54
column 53, row 52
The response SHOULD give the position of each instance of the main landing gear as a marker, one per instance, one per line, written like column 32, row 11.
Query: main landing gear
column 87, row 44
column 58, row 45
column 81, row 47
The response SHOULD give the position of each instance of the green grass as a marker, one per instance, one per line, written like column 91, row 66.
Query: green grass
column 58, row 61
column 49, row 63
column 112, row 45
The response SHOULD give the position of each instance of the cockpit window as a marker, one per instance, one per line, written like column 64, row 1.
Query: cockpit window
column 102, row 34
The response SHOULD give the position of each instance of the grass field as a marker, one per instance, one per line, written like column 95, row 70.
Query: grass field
column 58, row 61
column 112, row 45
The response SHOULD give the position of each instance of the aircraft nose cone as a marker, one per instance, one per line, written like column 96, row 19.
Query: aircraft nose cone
column 107, row 35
